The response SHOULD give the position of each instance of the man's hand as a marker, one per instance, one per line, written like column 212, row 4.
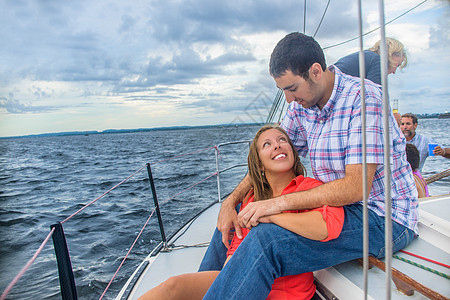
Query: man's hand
column 226, row 221
column 250, row 215
column 227, row 216
column 438, row 150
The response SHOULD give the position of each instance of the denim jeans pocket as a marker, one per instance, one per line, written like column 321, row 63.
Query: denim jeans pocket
column 403, row 239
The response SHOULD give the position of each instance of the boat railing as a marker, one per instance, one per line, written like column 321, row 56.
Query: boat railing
column 229, row 168
column 67, row 280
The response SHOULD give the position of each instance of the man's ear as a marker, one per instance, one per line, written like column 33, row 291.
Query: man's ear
column 315, row 72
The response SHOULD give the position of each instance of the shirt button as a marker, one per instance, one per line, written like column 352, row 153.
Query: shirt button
column 321, row 122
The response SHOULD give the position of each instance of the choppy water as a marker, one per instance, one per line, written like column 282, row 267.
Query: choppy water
column 45, row 179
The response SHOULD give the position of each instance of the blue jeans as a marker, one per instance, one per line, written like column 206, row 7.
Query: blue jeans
column 269, row 252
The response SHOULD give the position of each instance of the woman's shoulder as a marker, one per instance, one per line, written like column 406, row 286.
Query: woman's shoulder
column 306, row 183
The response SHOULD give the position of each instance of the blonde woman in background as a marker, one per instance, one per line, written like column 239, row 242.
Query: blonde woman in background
column 396, row 57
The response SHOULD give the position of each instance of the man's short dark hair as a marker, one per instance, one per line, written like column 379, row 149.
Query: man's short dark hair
column 296, row 52
column 412, row 116
column 413, row 156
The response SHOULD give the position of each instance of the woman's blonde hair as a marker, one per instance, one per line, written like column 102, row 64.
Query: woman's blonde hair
column 395, row 48
column 262, row 189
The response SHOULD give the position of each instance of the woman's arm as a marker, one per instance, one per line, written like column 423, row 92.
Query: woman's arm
column 419, row 186
column 308, row 224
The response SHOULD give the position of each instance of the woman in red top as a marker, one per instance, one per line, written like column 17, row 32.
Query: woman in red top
column 274, row 169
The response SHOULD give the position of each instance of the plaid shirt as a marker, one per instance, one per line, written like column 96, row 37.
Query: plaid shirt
column 333, row 138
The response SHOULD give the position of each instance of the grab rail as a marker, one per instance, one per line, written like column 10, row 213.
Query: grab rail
column 227, row 169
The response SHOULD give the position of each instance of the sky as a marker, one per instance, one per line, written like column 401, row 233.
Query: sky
column 97, row 65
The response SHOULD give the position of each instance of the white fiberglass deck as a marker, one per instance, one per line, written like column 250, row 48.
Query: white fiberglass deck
column 167, row 264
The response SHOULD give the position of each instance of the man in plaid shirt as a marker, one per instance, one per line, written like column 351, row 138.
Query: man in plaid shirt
column 324, row 120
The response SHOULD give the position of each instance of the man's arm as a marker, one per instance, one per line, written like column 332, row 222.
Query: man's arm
column 228, row 216
column 338, row 192
column 445, row 152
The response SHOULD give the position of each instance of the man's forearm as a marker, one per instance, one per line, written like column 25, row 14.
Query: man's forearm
column 239, row 192
column 338, row 192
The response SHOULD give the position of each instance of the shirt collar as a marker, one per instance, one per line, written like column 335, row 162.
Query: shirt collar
column 294, row 182
column 331, row 103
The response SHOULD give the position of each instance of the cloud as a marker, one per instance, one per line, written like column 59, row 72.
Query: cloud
column 206, row 21
column 70, row 43
column 209, row 59
column 183, row 68
column 13, row 106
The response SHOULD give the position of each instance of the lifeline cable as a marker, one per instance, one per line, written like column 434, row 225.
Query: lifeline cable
column 126, row 256
column 215, row 173
column 25, row 268
column 352, row 39
column 31, row 261
column 424, row 258
column 138, row 236
column 323, row 16
column 421, row 266
column 81, row 209
column 198, row 151
column 105, row 193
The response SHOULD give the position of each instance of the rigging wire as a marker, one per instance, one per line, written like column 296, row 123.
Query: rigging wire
column 323, row 16
column 142, row 229
column 26, row 267
column 104, row 194
column 352, row 39
column 275, row 104
column 128, row 253
column 422, row 266
column 425, row 258
column 304, row 16
column 31, row 261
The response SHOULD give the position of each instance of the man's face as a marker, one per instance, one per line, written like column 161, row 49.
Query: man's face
column 304, row 92
column 408, row 127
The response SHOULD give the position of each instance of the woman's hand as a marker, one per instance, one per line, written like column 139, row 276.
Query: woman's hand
column 251, row 214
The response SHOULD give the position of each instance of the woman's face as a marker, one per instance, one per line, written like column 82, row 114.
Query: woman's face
column 275, row 152
column 398, row 60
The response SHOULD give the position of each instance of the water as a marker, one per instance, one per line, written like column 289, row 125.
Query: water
column 44, row 180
